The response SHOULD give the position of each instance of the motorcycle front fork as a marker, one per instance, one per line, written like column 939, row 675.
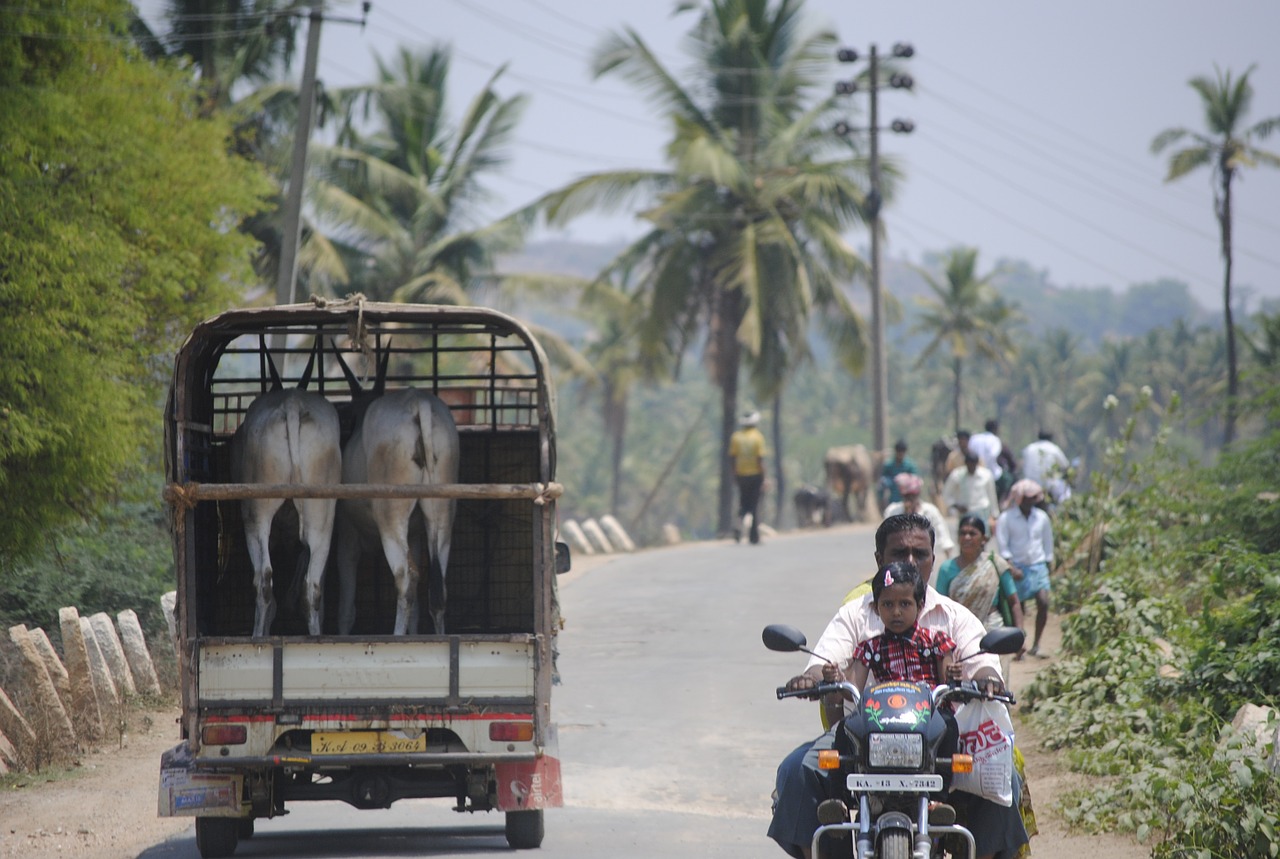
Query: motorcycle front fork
column 865, row 836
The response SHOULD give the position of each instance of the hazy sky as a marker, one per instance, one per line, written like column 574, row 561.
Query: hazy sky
column 1033, row 119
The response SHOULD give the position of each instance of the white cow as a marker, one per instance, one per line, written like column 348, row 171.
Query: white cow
column 288, row 437
column 404, row 437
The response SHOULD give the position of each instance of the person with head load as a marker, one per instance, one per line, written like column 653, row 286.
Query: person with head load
column 1024, row 535
column 910, row 487
column 747, row 452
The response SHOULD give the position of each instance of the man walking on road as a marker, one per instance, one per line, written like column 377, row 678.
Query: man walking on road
column 1024, row 536
column 1046, row 464
column 747, row 452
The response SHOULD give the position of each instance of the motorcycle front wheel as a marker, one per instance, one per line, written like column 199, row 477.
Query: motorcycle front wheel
column 894, row 844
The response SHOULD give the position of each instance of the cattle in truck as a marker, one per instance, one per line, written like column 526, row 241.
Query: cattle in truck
column 288, row 437
column 406, row 437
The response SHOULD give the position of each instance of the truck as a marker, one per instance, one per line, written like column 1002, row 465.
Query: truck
column 368, row 717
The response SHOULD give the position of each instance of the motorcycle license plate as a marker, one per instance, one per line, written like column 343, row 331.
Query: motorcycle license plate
column 893, row 783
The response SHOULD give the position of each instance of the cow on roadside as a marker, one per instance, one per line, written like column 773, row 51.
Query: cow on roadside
column 852, row 470
column 813, row 507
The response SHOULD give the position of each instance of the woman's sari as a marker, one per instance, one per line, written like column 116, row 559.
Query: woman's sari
column 976, row 587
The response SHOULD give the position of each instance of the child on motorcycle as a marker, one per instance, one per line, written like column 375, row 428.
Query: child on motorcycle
column 905, row 651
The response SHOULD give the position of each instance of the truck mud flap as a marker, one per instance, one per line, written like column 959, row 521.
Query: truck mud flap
column 188, row 792
column 529, row 785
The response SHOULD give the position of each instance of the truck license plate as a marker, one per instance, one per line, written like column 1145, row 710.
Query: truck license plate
column 366, row 742
column 893, row 783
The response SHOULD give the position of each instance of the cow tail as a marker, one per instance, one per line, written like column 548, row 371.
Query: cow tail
column 293, row 438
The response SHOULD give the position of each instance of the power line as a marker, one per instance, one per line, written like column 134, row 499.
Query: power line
column 1078, row 180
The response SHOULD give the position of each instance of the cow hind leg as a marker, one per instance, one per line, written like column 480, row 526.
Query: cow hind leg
column 439, row 514
column 393, row 525
column 257, row 534
column 316, row 525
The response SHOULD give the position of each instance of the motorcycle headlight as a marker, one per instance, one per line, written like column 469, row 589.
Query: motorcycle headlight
column 896, row 751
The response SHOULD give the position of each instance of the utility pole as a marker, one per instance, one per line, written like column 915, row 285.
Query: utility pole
column 879, row 349
column 287, row 279
column 879, row 370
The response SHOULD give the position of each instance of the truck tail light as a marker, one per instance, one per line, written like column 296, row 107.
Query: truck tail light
column 224, row 735
column 511, row 732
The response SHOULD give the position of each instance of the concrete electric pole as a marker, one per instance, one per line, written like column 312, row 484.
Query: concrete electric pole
column 879, row 360
column 287, row 278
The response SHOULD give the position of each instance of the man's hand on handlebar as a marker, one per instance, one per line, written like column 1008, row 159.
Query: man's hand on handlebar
column 808, row 680
column 989, row 683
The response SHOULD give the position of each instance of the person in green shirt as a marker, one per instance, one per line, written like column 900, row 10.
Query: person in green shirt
column 887, row 492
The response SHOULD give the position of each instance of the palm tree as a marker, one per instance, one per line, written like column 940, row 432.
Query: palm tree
column 744, row 243
column 966, row 316
column 1226, row 149
column 401, row 200
column 228, row 41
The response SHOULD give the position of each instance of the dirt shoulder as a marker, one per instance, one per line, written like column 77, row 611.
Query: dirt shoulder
column 103, row 807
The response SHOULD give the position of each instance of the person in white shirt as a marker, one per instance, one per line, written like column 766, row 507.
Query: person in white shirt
column 1024, row 537
column 909, row 487
column 987, row 445
column 995, row 456
column 971, row 489
column 1046, row 464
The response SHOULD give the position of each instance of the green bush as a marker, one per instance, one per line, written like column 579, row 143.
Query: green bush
column 1176, row 629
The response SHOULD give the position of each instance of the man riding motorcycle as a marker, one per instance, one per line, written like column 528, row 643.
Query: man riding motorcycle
column 802, row 786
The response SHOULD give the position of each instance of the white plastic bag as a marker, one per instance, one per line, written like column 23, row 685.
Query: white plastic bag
column 986, row 733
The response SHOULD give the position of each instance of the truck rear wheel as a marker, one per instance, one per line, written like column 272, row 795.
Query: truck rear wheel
column 525, row 829
column 217, row 837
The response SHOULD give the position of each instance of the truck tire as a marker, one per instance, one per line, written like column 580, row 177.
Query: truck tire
column 895, row 844
column 217, row 837
column 525, row 829
column 245, row 829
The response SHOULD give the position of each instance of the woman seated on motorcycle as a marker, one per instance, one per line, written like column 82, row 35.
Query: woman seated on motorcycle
column 904, row 651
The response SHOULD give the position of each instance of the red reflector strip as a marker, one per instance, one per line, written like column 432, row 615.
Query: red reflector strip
column 511, row 732
column 224, row 735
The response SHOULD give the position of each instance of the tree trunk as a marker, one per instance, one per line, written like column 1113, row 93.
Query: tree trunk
column 616, row 427
column 1233, row 371
column 955, row 404
column 726, row 359
column 780, row 495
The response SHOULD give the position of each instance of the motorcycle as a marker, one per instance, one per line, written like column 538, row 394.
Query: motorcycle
column 888, row 751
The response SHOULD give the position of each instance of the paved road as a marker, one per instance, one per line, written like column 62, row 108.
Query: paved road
column 669, row 727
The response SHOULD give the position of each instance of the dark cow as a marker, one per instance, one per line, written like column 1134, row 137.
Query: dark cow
column 814, row 507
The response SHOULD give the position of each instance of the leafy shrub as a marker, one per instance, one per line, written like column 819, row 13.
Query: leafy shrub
column 1174, row 631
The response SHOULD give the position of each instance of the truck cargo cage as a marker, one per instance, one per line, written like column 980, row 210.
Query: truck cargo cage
column 482, row 364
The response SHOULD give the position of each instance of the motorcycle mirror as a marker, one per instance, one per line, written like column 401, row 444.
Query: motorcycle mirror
column 1006, row 639
column 783, row 638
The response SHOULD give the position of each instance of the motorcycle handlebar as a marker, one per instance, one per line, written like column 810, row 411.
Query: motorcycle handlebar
column 817, row 691
column 968, row 691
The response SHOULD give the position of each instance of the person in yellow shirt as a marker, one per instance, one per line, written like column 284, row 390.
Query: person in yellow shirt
column 746, row 452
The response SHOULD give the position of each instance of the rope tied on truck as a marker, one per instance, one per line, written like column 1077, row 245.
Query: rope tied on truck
column 184, row 495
